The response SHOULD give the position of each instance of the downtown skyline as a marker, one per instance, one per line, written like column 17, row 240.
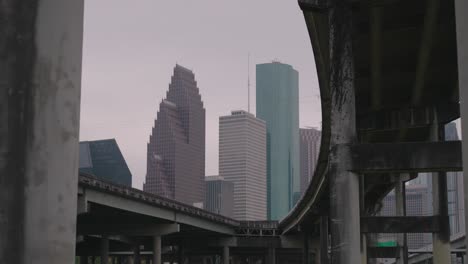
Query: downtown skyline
column 119, row 100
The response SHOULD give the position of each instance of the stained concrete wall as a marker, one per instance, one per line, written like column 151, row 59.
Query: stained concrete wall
column 40, row 80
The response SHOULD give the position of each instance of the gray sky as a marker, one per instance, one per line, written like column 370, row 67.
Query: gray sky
column 131, row 47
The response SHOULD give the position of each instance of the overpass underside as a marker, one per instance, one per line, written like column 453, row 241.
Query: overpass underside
column 388, row 77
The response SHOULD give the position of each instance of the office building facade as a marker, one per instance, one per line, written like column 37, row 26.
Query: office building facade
column 277, row 90
column 242, row 161
column 219, row 196
column 176, row 148
column 103, row 159
column 309, row 150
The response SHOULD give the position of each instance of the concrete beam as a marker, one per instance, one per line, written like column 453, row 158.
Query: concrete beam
column 412, row 157
column 292, row 241
column 130, row 229
column 384, row 252
column 224, row 241
column 139, row 207
column 400, row 224
column 40, row 83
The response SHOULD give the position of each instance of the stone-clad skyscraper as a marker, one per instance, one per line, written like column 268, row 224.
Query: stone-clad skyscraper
column 242, row 161
column 176, row 149
column 278, row 104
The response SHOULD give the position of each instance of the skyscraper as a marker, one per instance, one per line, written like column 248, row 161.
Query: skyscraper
column 309, row 147
column 278, row 104
column 219, row 196
column 176, row 148
column 103, row 159
column 242, row 161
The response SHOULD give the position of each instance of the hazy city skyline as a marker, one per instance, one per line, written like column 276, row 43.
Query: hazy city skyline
column 129, row 56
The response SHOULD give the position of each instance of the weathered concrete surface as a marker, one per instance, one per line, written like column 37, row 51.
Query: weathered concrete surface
column 461, row 9
column 412, row 157
column 400, row 204
column 400, row 224
column 344, row 185
column 40, row 80
column 157, row 251
column 440, row 239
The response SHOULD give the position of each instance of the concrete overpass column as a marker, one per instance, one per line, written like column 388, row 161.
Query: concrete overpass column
column 157, row 250
column 305, row 250
column 440, row 240
column 226, row 255
column 324, row 240
column 362, row 204
column 461, row 11
column 104, row 250
column 83, row 259
column 40, row 81
column 136, row 254
column 344, row 185
column 271, row 258
column 400, row 205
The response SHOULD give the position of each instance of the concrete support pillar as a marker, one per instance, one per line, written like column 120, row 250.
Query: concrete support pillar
column 136, row 254
column 344, row 185
column 83, row 259
column 324, row 240
column 315, row 250
column 305, row 249
column 461, row 11
column 271, row 258
column 226, row 254
column 40, row 81
column 400, row 205
column 440, row 240
column 180, row 253
column 157, row 250
column 104, row 250
column 362, row 205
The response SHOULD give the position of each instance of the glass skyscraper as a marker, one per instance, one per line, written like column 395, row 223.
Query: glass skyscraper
column 278, row 104
column 103, row 159
column 176, row 148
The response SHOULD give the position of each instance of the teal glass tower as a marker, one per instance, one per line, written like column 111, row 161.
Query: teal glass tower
column 278, row 104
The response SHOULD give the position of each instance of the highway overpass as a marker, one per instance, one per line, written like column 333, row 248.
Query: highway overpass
column 391, row 74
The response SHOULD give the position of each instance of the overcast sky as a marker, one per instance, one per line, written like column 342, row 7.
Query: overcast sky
column 131, row 48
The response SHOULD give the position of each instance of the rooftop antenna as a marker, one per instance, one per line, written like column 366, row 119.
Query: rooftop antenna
column 248, row 82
